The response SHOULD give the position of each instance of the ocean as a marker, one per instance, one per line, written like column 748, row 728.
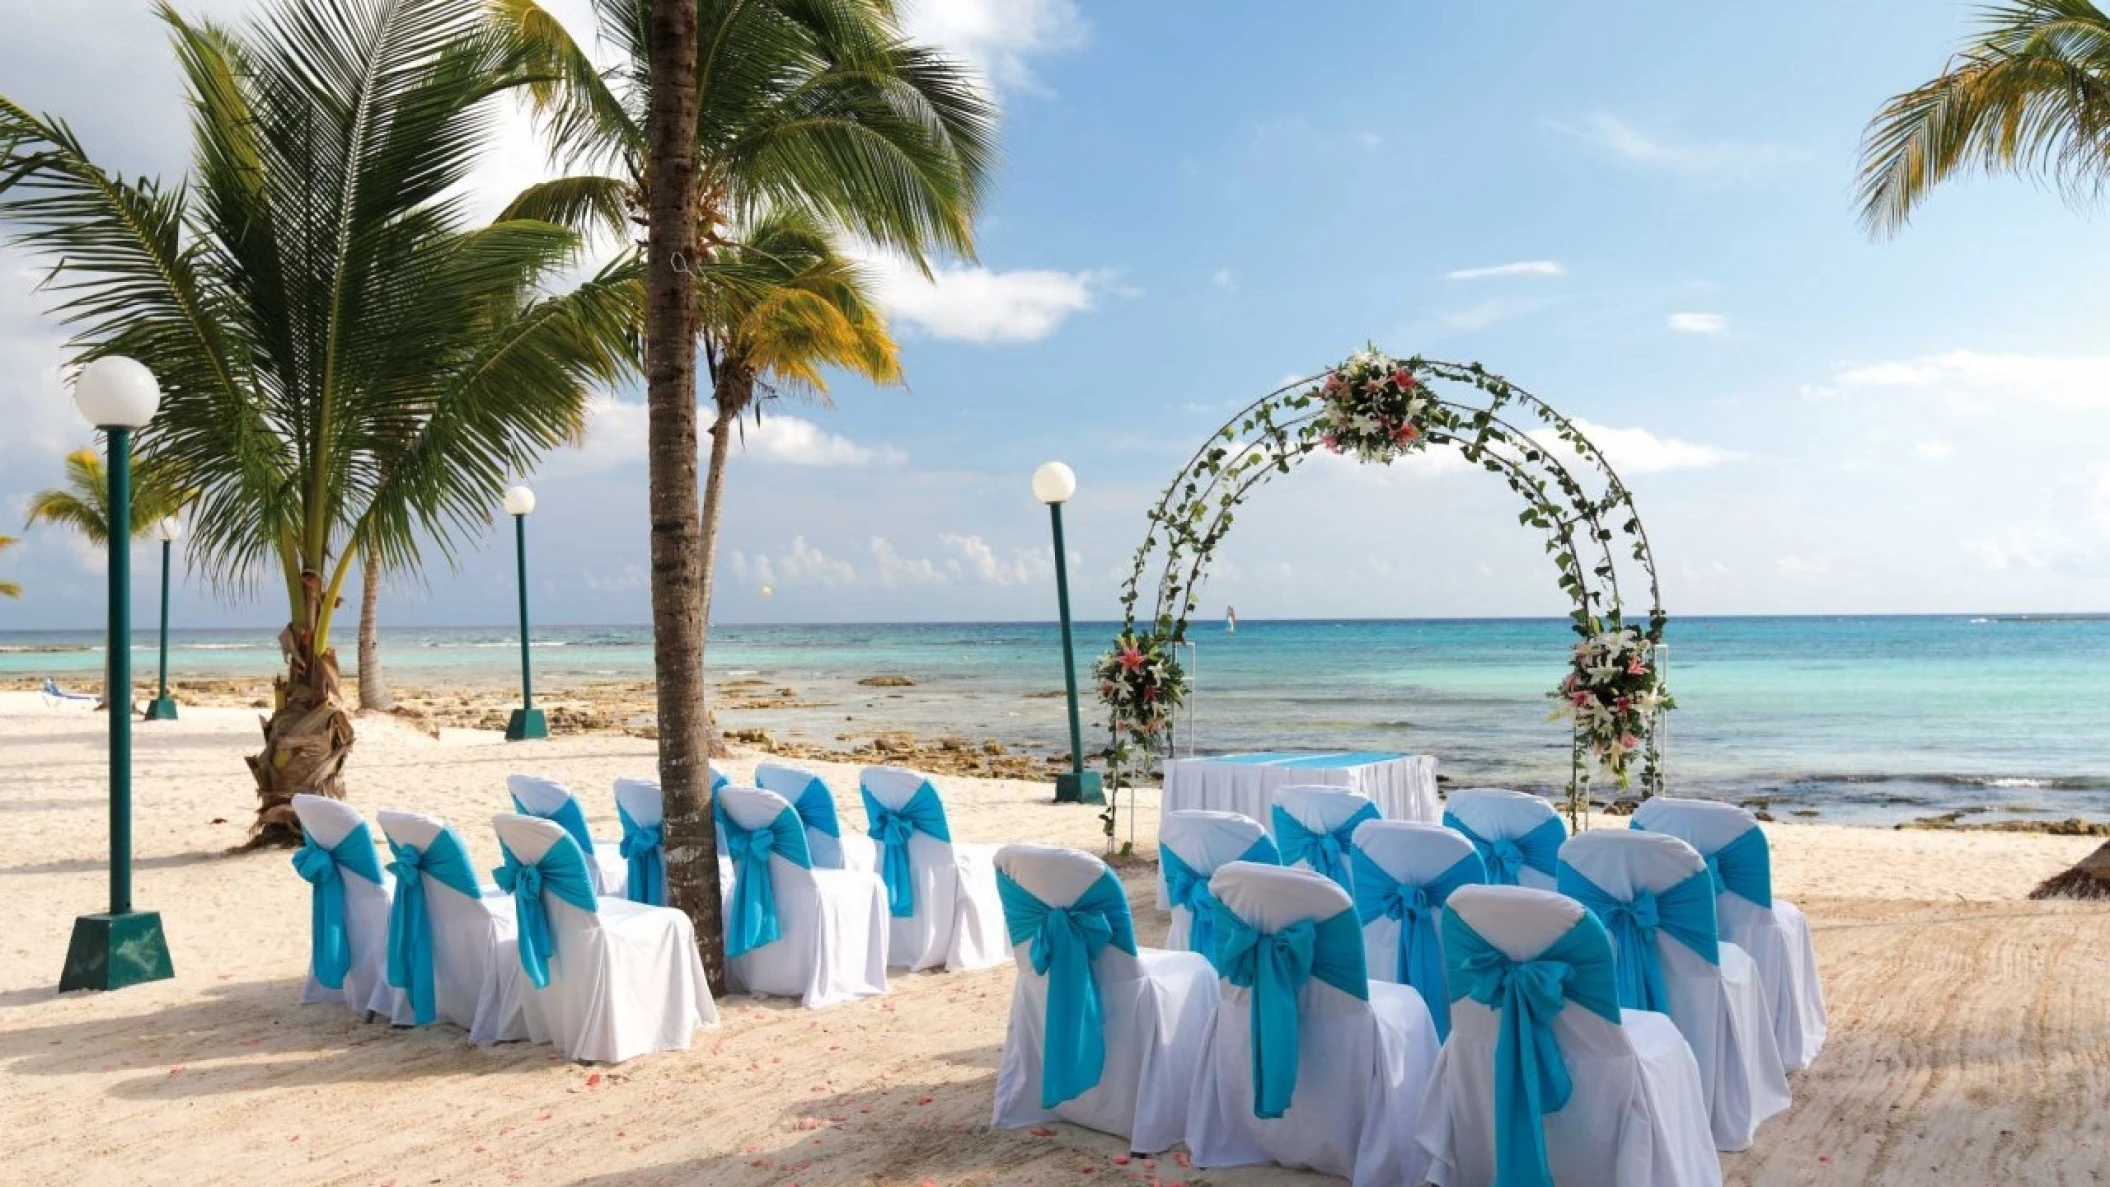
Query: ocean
column 1861, row 719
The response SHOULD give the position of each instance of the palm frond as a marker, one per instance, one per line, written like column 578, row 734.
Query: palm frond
column 586, row 204
column 586, row 120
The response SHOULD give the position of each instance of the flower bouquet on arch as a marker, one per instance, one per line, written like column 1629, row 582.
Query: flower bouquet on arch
column 1372, row 407
column 1613, row 692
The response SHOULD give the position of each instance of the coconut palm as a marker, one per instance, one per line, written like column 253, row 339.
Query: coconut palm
column 2030, row 94
column 9, row 589
column 83, row 504
column 348, row 366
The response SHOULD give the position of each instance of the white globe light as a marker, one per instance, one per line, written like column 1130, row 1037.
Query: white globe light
column 519, row 500
column 115, row 392
column 168, row 530
column 1054, row 483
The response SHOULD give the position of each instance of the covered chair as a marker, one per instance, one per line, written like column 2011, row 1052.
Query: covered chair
column 1404, row 872
column 792, row 930
column 1545, row 1078
column 550, row 800
column 941, row 896
column 1102, row 1034
column 815, row 804
column 607, row 979
column 451, row 954
column 1192, row 844
column 640, row 810
column 1655, row 899
column 1309, row 1063
column 1313, row 825
column 347, row 908
column 1518, row 835
column 1773, row 930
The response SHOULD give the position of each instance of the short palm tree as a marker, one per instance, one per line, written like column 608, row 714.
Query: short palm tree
column 348, row 366
column 2030, row 94
column 9, row 589
column 83, row 504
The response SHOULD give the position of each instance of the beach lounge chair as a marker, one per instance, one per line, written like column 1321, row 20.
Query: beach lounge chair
column 792, row 930
column 347, row 910
column 1192, row 845
column 451, row 946
column 1773, row 930
column 941, row 895
column 608, row 979
column 1312, row 826
column 1518, row 835
column 1545, row 1078
column 1309, row 1063
column 1405, row 871
column 1103, row 1034
column 815, row 804
column 1655, row 899
column 55, row 696
column 551, row 800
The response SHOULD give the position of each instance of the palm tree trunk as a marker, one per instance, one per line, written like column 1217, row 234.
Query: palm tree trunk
column 729, row 403
column 373, row 686
column 308, row 736
column 677, row 536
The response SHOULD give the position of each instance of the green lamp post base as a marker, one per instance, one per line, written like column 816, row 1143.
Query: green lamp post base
column 1079, row 787
column 113, row 951
column 526, row 725
column 161, row 709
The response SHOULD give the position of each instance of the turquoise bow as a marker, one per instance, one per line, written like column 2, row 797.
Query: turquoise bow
column 568, row 815
column 409, row 918
column 1685, row 912
column 643, row 848
column 1275, row 966
column 751, row 918
column 892, row 828
column 1325, row 851
column 1508, row 857
column 816, row 809
column 1065, row 944
column 1419, row 960
column 329, row 940
column 1531, row 1079
column 562, row 872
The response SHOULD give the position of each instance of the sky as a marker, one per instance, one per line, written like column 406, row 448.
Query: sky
column 1649, row 222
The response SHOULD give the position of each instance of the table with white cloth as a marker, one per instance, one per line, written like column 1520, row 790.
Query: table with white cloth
column 1403, row 786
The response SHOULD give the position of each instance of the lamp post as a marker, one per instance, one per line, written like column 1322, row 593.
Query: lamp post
column 1053, row 484
column 168, row 531
column 123, row 947
column 527, row 721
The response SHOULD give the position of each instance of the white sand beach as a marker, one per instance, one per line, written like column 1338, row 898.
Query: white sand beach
column 1970, row 1029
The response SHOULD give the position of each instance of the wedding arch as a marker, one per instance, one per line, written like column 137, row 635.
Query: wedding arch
column 1379, row 409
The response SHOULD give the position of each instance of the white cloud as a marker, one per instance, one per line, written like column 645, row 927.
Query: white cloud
column 1934, row 449
column 1370, row 140
column 2069, row 381
column 980, row 562
column 975, row 304
column 807, row 565
column 795, row 442
column 1698, row 323
column 616, row 435
column 1225, row 279
column 1519, row 268
column 998, row 37
column 1802, row 566
column 897, row 570
column 1639, row 451
column 1488, row 313
column 1691, row 157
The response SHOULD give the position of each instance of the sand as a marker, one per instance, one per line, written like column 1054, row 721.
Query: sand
column 1970, row 1029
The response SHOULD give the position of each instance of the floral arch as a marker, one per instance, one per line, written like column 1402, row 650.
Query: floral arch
column 1379, row 409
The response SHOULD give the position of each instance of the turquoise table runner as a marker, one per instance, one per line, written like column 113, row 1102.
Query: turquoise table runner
column 1288, row 759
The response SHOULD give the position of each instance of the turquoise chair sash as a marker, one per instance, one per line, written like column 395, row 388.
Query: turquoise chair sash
column 1275, row 966
column 1324, row 852
column 1506, row 857
column 1684, row 912
column 644, row 852
column 892, row 828
column 816, row 808
column 1531, row 1079
column 568, row 815
column 1188, row 887
column 562, row 872
column 751, row 918
column 1743, row 867
column 1379, row 895
column 718, row 781
column 1066, row 943
column 409, row 919
column 329, row 943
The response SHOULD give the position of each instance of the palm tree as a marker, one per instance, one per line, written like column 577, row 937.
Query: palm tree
column 2030, row 94
column 348, row 368
column 9, row 589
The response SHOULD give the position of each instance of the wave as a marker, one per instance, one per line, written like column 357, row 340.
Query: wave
column 1957, row 779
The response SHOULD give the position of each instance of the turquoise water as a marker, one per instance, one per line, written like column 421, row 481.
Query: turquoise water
column 1862, row 718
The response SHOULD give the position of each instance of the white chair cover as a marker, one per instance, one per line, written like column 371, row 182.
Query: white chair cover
column 1636, row 1116
column 1203, row 841
column 1363, row 1065
column 809, row 796
column 1721, row 1009
column 1154, row 1009
column 624, row 979
column 1313, row 824
column 474, row 954
column 833, row 922
column 1496, row 815
column 958, row 918
column 1416, row 854
column 328, row 823
column 1777, row 935
column 639, row 799
column 548, row 799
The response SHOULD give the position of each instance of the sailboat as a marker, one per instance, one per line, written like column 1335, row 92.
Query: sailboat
column 1230, row 620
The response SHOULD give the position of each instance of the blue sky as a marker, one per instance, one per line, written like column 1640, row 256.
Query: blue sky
column 1647, row 221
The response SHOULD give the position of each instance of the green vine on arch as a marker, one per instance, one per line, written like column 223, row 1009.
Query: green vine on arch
column 1378, row 409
